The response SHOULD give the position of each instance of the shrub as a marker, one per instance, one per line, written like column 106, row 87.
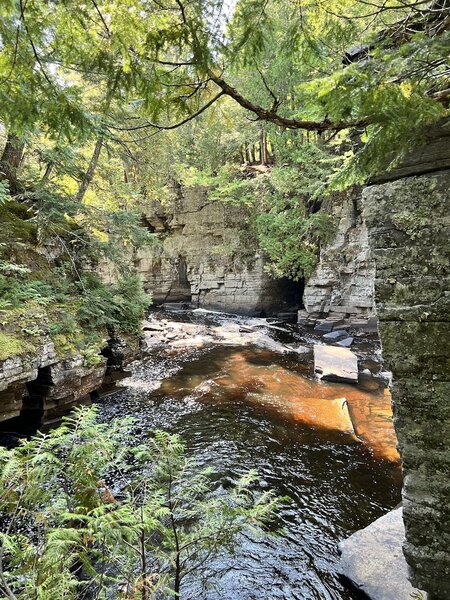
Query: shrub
column 119, row 306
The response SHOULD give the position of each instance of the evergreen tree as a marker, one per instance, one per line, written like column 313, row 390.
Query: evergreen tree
column 88, row 514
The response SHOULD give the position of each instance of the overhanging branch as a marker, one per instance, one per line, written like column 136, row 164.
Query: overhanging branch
column 149, row 124
column 271, row 116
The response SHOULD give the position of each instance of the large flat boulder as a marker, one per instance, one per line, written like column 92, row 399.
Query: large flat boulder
column 372, row 559
column 335, row 364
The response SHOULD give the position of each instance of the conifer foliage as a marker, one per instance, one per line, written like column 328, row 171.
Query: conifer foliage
column 87, row 514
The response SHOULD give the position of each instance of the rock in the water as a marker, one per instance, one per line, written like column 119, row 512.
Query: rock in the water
column 373, row 560
column 325, row 413
column 152, row 326
column 346, row 342
column 176, row 306
column 288, row 317
column 324, row 326
column 335, row 364
column 301, row 349
column 334, row 336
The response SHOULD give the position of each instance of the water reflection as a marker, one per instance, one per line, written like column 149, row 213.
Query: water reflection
column 253, row 375
column 239, row 409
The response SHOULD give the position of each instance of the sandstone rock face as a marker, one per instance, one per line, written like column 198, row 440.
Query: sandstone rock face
column 60, row 387
column 343, row 280
column 15, row 372
column 41, row 388
column 207, row 256
column 409, row 225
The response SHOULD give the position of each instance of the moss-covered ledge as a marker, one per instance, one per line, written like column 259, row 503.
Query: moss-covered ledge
column 409, row 229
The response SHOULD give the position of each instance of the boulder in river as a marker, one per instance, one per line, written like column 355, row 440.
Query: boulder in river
column 323, row 326
column 335, row 336
column 346, row 342
column 372, row 559
column 335, row 364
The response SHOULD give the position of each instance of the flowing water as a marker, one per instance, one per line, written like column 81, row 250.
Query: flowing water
column 240, row 408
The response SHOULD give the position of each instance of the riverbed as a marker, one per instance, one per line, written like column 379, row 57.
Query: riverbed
column 242, row 406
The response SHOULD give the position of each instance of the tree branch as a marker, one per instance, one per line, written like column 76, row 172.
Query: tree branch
column 33, row 47
column 276, row 100
column 271, row 116
column 175, row 125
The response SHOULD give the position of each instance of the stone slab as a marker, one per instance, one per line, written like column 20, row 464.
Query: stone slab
column 323, row 327
column 346, row 342
column 372, row 559
column 335, row 364
column 335, row 336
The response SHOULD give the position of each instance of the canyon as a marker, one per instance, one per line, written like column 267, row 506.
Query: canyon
column 388, row 263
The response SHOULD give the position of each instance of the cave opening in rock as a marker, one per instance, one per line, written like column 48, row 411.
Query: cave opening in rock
column 286, row 295
column 30, row 418
column 32, row 413
column 180, row 290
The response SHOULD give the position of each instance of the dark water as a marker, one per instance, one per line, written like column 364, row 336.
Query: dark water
column 334, row 484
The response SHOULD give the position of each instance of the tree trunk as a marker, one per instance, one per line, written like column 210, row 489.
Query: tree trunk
column 263, row 148
column 89, row 175
column 248, row 157
column 48, row 170
column 10, row 162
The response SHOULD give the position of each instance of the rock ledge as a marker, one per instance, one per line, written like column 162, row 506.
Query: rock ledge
column 372, row 559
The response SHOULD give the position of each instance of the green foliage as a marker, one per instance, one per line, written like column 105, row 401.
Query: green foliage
column 291, row 239
column 285, row 202
column 102, row 75
column 78, row 314
column 11, row 345
column 120, row 306
column 17, row 291
column 84, row 509
column 4, row 192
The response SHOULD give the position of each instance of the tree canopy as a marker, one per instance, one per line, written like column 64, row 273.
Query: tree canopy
column 311, row 65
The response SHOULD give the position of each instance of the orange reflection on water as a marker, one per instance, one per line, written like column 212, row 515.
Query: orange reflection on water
column 331, row 406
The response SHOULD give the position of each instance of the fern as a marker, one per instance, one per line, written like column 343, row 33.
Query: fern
column 85, row 531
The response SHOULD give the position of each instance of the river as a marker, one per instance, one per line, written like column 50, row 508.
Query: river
column 242, row 407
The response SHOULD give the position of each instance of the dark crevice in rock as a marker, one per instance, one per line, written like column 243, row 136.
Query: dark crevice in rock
column 416, row 173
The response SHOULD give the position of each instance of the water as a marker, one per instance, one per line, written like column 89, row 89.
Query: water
column 241, row 408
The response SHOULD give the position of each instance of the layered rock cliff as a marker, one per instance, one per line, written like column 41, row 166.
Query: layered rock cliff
column 39, row 387
column 342, row 283
column 207, row 255
column 407, row 216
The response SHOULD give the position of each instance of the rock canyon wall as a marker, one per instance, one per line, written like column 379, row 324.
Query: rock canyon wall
column 39, row 387
column 408, row 219
column 342, row 283
column 208, row 255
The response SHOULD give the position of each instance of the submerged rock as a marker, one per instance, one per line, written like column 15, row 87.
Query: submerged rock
column 325, row 414
column 372, row 559
column 335, row 364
